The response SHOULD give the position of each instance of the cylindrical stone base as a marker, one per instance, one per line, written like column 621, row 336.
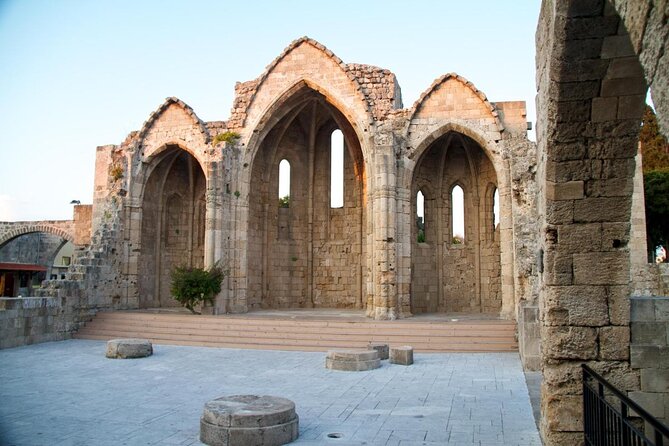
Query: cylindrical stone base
column 249, row 420
column 352, row 360
column 128, row 348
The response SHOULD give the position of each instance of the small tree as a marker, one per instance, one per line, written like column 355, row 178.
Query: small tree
column 191, row 286
column 284, row 202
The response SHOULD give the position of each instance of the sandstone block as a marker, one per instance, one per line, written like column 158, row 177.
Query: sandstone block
column 381, row 349
column 569, row 342
column 352, row 360
column 249, row 420
column 401, row 355
column 563, row 412
column 128, row 348
column 614, row 343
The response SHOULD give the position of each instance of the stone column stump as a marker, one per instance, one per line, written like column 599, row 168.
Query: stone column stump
column 401, row 355
column 381, row 349
column 128, row 348
column 241, row 420
column 352, row 360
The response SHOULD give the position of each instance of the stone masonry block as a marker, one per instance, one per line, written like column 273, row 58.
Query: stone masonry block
column 642, row 309
column 602, row 209
column 576, row 305
column 401, row 355
column 649, row 333
column 651, row 402
column 570, row 190
column 604, row 109
column 569, row 342
column 649, row 356
column 661, row 309
column 601, row 268
column 563, row 412
column 655, row 380
column 614, row 343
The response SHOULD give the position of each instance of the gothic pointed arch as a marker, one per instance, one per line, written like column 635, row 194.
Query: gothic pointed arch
column 450, row 96
column 306, row 60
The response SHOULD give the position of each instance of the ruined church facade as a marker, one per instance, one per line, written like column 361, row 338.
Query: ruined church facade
column 181, row 191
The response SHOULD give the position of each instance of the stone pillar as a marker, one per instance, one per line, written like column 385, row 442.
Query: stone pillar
column 590, row 104
column 638, row 240
column 384, row 268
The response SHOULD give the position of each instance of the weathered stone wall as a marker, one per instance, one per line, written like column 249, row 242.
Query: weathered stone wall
column 649, row 353
column 83, row 224
column 30, row 320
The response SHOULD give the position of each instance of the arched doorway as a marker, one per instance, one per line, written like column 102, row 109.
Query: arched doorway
column 305, row 243
column 173, row 224
column 455, row 262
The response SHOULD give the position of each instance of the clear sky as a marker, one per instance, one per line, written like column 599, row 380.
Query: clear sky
column 75, row 74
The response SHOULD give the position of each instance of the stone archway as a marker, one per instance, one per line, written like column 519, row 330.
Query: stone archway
column 594, row 60
column 306, row 254
column 452, row 270
column 173, row 224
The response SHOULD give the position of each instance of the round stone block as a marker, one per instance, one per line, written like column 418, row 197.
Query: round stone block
column 249, row 420
column 381, row 349
column 352, row 360
column 401, row 355
column 129, row 348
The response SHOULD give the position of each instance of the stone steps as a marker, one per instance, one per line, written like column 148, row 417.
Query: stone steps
column 300, row 334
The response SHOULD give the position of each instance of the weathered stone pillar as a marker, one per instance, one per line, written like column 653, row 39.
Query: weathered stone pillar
column 590, row 104
column 384, row 268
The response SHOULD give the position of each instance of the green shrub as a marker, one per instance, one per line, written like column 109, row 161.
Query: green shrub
column 191, row 286
column 284, row 202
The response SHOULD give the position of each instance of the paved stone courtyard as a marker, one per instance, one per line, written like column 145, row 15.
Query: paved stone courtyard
column 68, row 393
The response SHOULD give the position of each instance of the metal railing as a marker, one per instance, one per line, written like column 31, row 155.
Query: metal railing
column 606, row 423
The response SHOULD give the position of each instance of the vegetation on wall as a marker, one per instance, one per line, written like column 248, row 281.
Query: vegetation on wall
column 655, row 153
column 192, row 286
column 116, row 172
column 284, row 202
column 226, row 137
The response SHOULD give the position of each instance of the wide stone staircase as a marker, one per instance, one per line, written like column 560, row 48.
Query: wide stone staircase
column 303, row 334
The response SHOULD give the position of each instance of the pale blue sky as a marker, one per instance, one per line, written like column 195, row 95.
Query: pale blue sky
column 75, row 74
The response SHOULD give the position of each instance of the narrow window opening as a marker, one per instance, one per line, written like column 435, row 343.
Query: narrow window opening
column 495, row 209
column 420, row 216
column 458, row 215
column 284, row 184
column 337, row 169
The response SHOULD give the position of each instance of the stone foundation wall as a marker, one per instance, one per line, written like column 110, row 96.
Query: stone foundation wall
column 31, row 320
column 529, row 336
column 649, row 353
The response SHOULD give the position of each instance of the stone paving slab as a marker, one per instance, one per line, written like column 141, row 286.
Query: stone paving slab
column 68, row 393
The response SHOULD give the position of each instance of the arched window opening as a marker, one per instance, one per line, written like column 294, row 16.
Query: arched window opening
column 284, row 184
column 337, row 169
column 420, row 217
column 495, row 209
column 458, row 215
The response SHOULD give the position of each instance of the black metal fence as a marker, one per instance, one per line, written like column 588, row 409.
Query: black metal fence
column 610, row 418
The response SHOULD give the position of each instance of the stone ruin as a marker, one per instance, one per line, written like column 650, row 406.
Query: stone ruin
column 563, row 261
